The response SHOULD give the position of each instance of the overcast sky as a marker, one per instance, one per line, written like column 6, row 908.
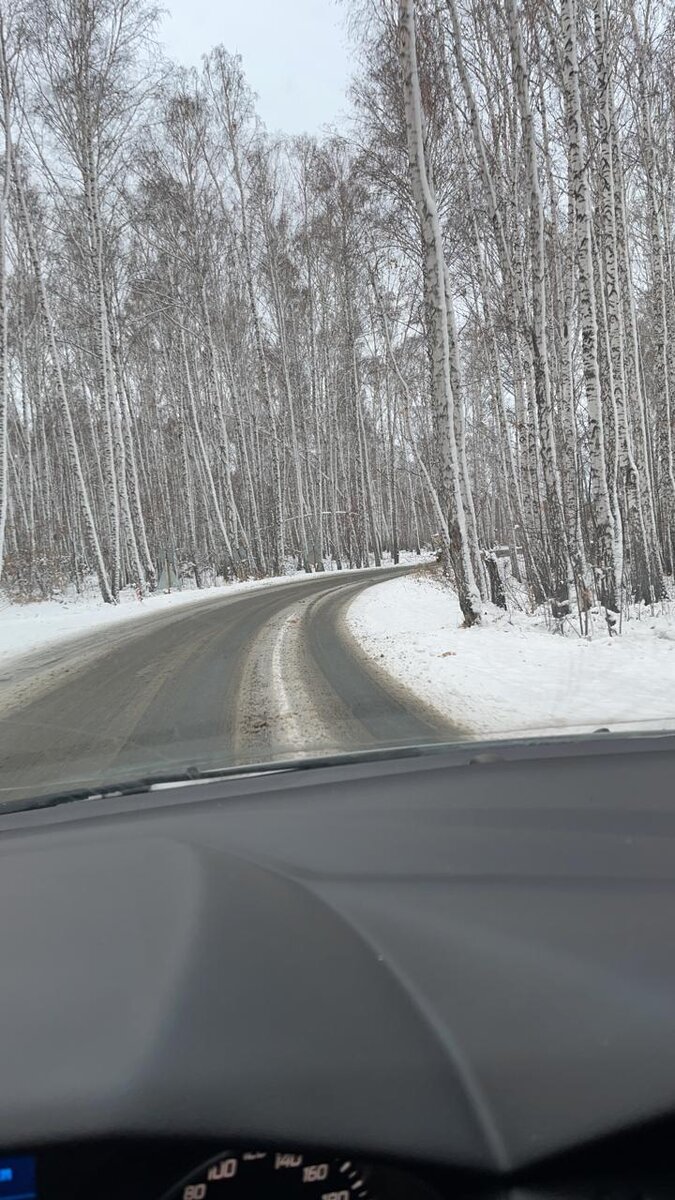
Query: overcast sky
column 294, row 53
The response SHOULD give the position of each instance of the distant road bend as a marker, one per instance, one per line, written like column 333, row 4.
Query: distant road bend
column 241, row 678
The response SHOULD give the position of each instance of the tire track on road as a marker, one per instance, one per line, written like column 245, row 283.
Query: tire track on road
column 246, row 678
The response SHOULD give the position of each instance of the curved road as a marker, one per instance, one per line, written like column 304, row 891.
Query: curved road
column 248, row 677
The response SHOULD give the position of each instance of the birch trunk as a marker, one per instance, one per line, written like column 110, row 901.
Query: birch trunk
column 542, row 382
column 224, row 104
column 609, row 580
column 527, row 458
column 290, row 407
column 5, row 104
column 629, row 479
column 434, row 272
column 71, row 441
column 634, row 375
column 206, row 465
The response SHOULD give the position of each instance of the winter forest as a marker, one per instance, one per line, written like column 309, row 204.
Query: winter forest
column 452, row 325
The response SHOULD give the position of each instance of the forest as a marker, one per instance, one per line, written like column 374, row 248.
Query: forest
column 451, row 324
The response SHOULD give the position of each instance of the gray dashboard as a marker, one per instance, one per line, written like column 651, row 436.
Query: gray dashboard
column 466, row 957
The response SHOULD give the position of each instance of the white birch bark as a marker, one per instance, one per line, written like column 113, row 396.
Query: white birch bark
column 507, row 451
column 220, row 91
column 629, row 478
column 441, row 516
column 664, row 351
column 5, row 105
column 634, row 375
column 290, row 404
column 527, row 458
column 434, row 271
column 542, row 381
column 608, row 568
column 204, row 458
column 71, row 440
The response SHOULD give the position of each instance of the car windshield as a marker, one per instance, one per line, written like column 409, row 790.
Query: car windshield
column 337, row 380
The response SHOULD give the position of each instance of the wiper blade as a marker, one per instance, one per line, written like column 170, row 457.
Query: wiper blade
column 125, row 787
column 194, row 774
column 145, row 783
column 468, row 752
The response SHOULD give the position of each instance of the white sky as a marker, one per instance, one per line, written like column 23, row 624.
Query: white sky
column 294, row 53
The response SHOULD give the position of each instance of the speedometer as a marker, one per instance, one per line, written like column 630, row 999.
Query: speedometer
column 283, row 1175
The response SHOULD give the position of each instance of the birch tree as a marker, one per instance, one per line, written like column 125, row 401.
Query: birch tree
column 444, row 372
column 451, row 327
column 5, row 121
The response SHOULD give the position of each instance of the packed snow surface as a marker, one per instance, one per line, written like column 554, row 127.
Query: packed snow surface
column 513, row 674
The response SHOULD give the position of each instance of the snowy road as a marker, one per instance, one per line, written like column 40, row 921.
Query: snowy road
column 242, row 678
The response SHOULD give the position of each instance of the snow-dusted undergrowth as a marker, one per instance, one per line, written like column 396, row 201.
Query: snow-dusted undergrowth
column 512, row 674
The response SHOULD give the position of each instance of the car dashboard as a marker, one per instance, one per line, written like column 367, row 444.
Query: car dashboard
column 441, row 976
column 638, row 1165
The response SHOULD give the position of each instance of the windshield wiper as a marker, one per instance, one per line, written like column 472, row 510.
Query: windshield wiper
column 194, row 774
column 126, row 787
column 463, row 753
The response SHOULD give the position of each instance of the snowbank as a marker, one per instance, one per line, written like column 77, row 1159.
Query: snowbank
column 512, row 675
column 26, row 627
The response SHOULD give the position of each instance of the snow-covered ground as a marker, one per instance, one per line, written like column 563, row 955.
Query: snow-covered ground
column 512, row 675
column 26, row 627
